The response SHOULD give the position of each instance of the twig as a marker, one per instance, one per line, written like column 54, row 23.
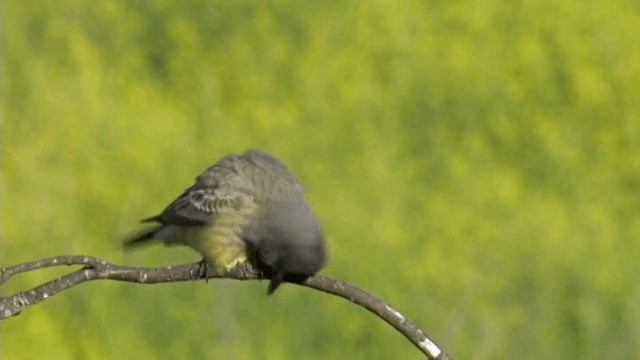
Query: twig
column 99, row 269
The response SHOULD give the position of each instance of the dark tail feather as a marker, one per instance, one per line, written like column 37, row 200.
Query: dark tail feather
column 139, row 240
column 151, row 219
column 144, row 237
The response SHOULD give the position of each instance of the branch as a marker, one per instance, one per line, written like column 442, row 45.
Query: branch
column 99, row 269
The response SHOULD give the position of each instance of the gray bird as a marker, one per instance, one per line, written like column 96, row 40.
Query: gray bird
column 246, row 207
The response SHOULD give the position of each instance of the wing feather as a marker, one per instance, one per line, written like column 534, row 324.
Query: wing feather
column 198, row 206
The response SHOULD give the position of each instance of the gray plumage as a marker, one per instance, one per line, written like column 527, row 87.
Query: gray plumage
column 246, row 207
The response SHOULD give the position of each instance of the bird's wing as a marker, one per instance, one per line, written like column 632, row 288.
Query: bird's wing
column 200, row 205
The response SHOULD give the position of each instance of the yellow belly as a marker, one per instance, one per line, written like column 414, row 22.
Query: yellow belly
column 219, row 242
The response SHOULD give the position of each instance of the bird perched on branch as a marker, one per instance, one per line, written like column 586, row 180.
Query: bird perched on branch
column 246, row 208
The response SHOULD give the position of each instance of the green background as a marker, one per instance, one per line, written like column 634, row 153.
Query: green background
column 475, row 164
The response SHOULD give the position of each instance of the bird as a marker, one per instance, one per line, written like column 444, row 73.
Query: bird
column 245, row 209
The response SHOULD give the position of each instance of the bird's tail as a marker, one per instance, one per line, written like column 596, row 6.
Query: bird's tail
column 139, row 240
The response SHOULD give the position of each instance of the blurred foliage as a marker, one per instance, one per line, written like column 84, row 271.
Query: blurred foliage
column 476, row 164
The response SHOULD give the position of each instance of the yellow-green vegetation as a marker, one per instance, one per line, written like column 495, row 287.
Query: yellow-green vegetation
column 476, row 164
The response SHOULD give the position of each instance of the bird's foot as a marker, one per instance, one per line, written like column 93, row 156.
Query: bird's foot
column 202, row 270
column 248, row 270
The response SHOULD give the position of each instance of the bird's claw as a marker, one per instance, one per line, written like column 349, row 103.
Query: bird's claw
column 202, row 270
